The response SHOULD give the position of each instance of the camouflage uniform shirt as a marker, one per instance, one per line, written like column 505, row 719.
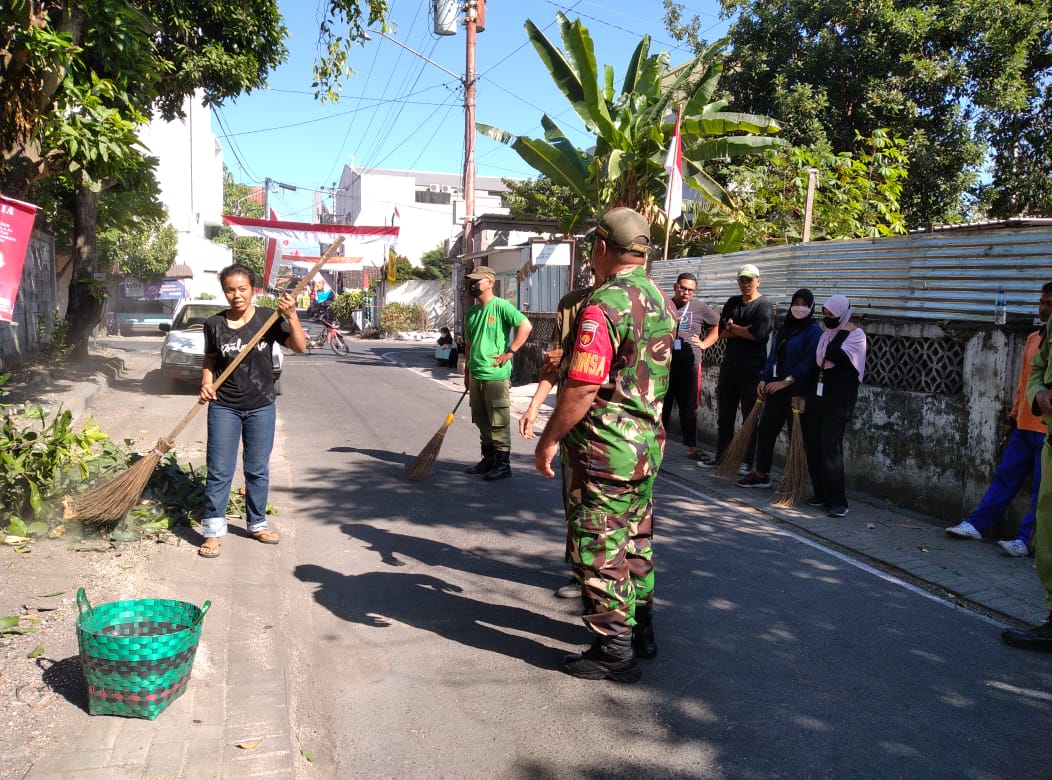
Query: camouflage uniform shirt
column 624, row 344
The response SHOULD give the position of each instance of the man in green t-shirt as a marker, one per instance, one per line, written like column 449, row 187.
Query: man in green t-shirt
column 489, row 348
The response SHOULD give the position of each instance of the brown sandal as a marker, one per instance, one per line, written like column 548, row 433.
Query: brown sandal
column 266, row 536
column 207, row 550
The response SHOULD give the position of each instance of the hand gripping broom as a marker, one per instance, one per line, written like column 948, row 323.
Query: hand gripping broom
column 105, row 505
column 795, row 475
column 738, row 451
column 421, row 468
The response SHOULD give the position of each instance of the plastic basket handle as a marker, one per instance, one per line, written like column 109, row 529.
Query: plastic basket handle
column 82, row 602
column 201, row 616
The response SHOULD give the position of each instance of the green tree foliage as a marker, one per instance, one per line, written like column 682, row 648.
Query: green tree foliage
column 856, row 197
column 144, row 249
column 242, row 200
column 633, row 125
column 434, row 265
column 333, row 64
column 1021, row 157
column 539, row 198
column 78, row 78
column 935, row 74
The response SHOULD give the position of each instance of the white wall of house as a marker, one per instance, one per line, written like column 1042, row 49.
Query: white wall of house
column 370, row 197
column 190, row 175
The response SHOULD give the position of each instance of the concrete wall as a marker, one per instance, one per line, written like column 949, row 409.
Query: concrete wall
column 436, row 297
column 933, row 453
column 35, row 307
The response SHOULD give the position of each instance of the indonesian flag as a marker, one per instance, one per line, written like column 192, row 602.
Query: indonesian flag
column 674, row 168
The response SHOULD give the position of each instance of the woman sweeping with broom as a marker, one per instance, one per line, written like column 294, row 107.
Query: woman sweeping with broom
column 242, row 408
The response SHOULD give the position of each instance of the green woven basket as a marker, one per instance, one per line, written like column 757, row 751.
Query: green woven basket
column 136, row 655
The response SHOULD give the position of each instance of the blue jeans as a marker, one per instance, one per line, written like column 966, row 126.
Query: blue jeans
column 227, row 427
column 1022, row 456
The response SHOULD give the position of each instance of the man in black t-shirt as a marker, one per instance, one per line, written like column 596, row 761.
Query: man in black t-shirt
column 745, row 324
column 696, row 331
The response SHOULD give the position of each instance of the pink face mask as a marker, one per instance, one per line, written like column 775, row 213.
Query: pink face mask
column 800, row 312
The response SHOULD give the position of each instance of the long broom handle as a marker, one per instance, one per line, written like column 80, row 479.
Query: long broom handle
column 451, row 415
column 255, row 338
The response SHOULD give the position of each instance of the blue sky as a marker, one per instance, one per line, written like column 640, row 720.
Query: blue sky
column 400, row 111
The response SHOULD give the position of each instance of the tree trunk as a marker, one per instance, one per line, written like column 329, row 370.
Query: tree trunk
column 86, row 296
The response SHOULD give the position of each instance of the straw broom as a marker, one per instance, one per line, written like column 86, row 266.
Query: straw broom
column 737, row 451
column 105, row 505
column 421, row 468
column 795, row 475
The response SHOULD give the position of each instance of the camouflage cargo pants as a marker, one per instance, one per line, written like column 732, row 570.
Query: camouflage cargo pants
column 611, row 527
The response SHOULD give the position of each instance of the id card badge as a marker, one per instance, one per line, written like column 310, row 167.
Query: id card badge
column 677, row 344
column 818, row 389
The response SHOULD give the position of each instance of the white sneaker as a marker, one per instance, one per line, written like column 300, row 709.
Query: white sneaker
column 745, row 469
column 964, row 530
column 1016, row 548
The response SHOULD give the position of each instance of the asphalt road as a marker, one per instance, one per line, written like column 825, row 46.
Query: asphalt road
column 424, row 640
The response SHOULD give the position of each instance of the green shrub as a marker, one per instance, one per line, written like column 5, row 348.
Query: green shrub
column 346, row 304
column 266, row 301
column 42, row 457
column 399, row 317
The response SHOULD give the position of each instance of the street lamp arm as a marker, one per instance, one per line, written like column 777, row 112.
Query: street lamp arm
column 397, row 42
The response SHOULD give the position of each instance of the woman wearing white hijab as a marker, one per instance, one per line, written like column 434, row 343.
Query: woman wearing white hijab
column 841, row 359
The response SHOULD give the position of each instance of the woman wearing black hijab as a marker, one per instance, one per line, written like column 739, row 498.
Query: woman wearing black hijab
column 787, row 375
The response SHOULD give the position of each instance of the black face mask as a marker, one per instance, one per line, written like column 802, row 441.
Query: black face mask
column 830, row 322
column 475, row 290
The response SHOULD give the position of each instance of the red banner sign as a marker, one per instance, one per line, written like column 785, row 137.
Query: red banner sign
column 16, row 225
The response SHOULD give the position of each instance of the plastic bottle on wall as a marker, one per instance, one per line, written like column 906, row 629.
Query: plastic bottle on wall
column 1001, row 308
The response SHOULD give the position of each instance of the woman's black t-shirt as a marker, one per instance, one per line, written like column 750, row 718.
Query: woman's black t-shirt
column 251, row 385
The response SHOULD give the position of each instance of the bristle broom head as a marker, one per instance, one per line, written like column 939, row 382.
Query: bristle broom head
column 794, row 477
column 738, row 451
column 421, row 468
column 105, row 505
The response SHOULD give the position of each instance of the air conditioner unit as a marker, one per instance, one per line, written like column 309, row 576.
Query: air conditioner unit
column 433, row 188
column 446, row 188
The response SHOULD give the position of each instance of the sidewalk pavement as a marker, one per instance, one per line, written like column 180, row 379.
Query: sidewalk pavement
column 197, row 735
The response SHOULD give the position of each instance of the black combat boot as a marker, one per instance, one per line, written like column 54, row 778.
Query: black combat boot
column 1036, row 638
column 502, row 469
column 609, row 657
column 489, row 460
column 643, row 634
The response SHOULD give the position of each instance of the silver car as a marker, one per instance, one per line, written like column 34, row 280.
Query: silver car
column 183, row 351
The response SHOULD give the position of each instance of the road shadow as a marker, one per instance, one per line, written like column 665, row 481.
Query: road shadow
column 379, row 599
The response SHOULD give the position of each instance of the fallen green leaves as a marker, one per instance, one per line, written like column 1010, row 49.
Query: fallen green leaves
column 12, row 624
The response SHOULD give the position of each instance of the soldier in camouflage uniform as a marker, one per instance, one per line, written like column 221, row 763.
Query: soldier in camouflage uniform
column 608, row 418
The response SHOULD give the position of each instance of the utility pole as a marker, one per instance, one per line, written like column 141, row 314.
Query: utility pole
column 812, row 183
column 471, row 24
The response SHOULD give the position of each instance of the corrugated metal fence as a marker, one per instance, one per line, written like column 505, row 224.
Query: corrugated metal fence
column 929, row 276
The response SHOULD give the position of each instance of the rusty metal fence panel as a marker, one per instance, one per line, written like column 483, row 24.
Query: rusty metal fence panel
column 945, row 275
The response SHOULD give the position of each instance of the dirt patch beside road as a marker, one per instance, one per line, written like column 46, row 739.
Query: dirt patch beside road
column 40, row 697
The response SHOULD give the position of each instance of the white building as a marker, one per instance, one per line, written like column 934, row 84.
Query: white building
column 190, row 175
column 430, row 206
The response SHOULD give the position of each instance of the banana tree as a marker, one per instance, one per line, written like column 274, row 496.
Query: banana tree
column 633, row 126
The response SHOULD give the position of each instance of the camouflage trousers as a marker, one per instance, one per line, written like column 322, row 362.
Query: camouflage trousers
column 491, row 411
column 610, row 527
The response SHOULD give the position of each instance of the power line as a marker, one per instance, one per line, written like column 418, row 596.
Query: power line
column 233, row 146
